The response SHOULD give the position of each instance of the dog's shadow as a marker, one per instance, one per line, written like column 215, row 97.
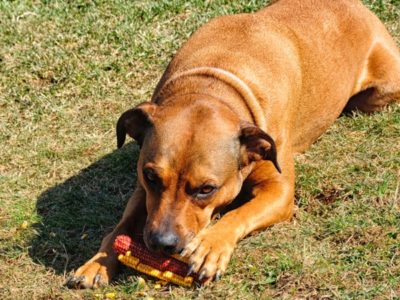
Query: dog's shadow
column 75, row 215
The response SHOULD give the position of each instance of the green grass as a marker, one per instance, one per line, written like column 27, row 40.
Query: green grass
column 67, row 71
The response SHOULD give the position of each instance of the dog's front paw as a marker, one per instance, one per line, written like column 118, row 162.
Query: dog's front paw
column 91, row 275
column 209, row 253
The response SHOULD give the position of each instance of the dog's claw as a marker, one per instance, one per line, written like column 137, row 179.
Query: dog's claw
column 68, row 282
column 218, row 275
column 191, row 269
column 202, row 275
column 81, row 282
column 97, row 281
column 74, row 282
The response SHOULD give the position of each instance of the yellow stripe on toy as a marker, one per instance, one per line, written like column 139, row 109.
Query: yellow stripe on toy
column 136, row 256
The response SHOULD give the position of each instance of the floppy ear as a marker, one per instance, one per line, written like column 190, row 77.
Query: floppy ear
column 258, row 145
column 135, row 122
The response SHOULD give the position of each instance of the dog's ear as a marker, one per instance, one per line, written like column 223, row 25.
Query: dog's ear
column 258, row 145
column 135, row 122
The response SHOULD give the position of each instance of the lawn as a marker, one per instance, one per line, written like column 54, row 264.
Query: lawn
column 68, row 69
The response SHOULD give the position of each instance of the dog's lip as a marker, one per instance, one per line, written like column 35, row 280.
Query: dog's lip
column 174, row 251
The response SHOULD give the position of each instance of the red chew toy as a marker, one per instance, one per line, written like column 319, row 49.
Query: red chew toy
column 136, row 255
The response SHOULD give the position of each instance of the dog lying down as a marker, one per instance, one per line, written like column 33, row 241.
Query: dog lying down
column 243, row 95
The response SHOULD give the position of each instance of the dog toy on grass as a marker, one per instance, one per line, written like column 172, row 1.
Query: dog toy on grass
column 134, row 254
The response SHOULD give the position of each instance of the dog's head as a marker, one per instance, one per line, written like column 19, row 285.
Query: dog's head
column 190, row 164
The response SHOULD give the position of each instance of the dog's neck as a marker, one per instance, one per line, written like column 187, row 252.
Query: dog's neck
column 219, row 84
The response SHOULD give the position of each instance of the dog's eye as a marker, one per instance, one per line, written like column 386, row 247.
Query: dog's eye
column 205, row 191
column 150, row 175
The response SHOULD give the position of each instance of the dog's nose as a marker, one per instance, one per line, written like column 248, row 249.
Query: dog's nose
column 164, row 241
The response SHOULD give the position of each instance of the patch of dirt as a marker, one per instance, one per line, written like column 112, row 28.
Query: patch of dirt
column 332, row 195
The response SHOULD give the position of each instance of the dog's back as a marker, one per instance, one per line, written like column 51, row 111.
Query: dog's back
column 304, row 59
column 335, row 40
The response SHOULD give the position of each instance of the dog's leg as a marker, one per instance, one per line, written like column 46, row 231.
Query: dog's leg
column 381, row 82
column 210, row 251
column 103, row 266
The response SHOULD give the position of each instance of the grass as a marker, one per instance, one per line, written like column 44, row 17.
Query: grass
column 67, row 71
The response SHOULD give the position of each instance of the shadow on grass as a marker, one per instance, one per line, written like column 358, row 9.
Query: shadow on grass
column 76, row 214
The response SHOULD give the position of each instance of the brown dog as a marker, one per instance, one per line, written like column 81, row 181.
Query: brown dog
column 241, row 97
